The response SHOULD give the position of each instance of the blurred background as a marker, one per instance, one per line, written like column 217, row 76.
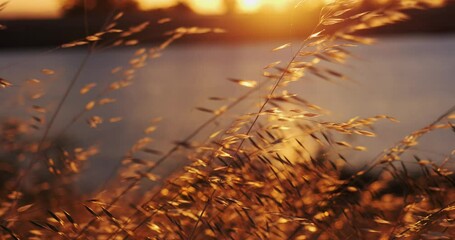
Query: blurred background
column 51, row 22
column 407, row 74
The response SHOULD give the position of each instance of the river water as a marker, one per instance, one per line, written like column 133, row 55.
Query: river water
column 410, row 78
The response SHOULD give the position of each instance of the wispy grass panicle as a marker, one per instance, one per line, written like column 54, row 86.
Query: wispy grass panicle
column 275, row 172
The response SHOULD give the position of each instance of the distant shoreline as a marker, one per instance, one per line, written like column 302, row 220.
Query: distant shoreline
column 240, row 28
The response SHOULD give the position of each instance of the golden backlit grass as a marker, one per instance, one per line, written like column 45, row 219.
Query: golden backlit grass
column 273, row 173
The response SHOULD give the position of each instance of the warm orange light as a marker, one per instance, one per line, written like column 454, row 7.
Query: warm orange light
column 207, row 6
column 249, row 5
column 218, row 7
column 381, row 2
column 199, row 6
column 31, row 9
column 148, row 4
column 278, row 6
column 328, row 1
column 51, row 8
column 435, row 3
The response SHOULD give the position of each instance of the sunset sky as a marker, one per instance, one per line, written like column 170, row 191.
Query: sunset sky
column 51, row 8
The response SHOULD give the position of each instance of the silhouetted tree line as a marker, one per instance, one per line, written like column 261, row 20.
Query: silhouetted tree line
column 79, row 7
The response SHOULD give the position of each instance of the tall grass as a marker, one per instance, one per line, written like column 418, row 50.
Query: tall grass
column 276, row 172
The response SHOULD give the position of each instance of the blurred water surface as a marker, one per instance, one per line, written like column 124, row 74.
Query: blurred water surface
column 409, row 78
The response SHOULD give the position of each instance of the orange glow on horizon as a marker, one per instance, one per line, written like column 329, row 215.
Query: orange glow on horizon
column 150, row 4
column 32, row 9
column 250, row 5
column 207, row 6
column 51, row 8
column 217, row 6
